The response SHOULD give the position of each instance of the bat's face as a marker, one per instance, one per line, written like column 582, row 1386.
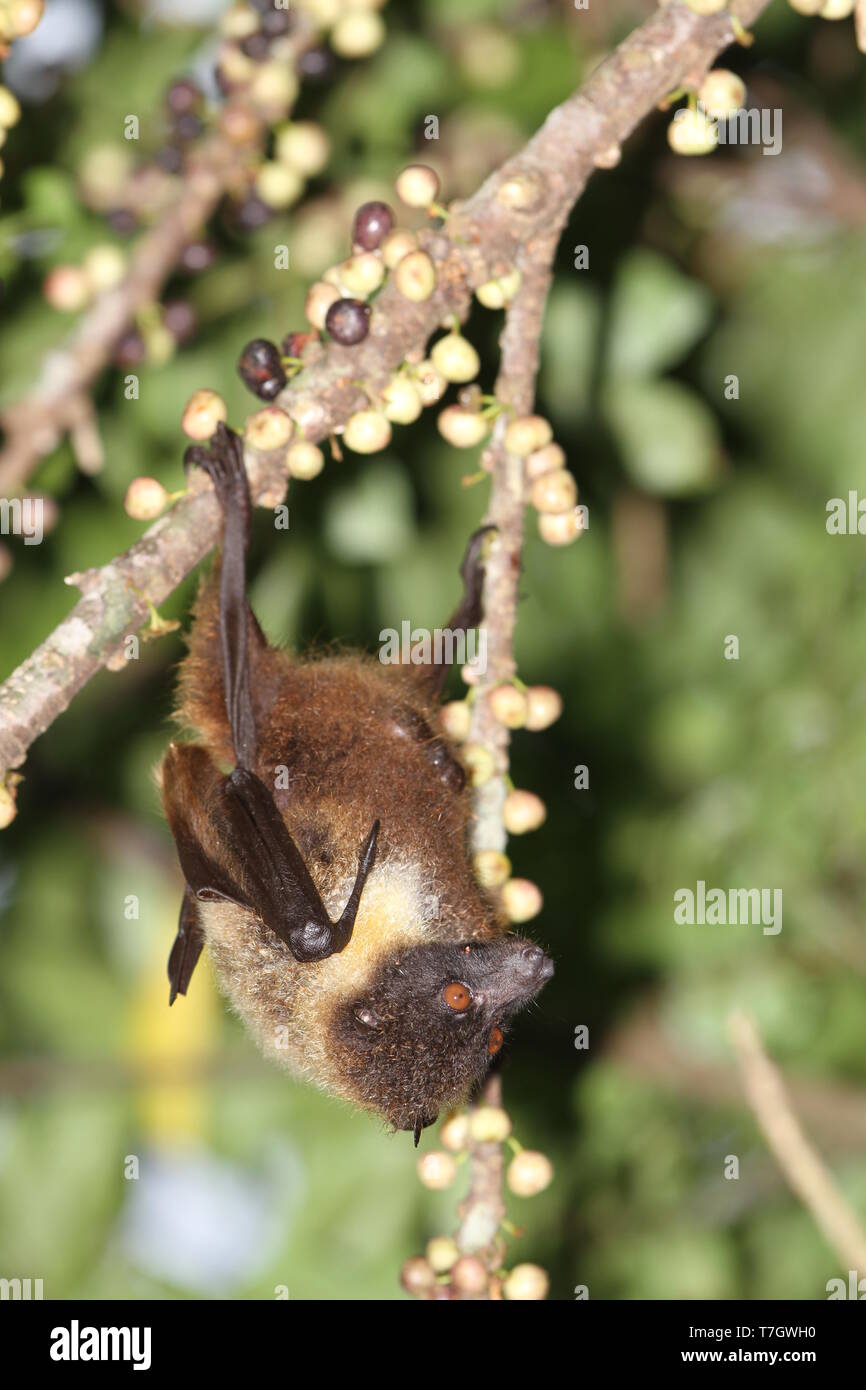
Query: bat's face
column 432, row 1020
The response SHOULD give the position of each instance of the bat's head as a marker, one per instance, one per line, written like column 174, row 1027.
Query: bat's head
column 430, row 1021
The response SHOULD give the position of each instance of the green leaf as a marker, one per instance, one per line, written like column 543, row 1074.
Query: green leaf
column 657, row 315
column 667, row 436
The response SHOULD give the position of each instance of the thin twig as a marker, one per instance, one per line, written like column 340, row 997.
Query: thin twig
column 804, row 1170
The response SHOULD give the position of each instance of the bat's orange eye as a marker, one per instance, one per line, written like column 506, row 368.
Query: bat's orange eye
column 457, row 997
column 494, row 1042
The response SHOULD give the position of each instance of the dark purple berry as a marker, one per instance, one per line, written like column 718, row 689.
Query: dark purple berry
column 252, row 213
column 348, row 321
column 260, row 368
column 316, row 64
column 183, row 96
column 198, row 255
column 130, row 350
column 123, row 220
column 179, row 318
column 256, row 46
column 170, row 158
column 187, row 127
column 275, row 23
column 373, row 222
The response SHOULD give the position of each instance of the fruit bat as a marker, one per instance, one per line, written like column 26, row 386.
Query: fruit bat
column 322, row 829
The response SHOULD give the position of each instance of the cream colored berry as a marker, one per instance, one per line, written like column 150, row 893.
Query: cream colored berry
column 402, row 400
column 442, row 1253
column 521, row 900
column 320, row 297
column 722, row 93
column 455, row 718
column 304, row 146
column 454, row 1134
column 357, row 34
column 489, row 1124
column 455, row 358
column 278, row 185
column 470, row 1276
column 437, row 1170
column 561, row 528
column 274, row 87
column 431, row 384
column 362, row 274
column 522, row 812
column 66, row 288
column 707, row 6
column 543, row 706
column 397, row 245
column 530, row 1283
column 367, row 431
column 415, row 277
column 305, row 460
column 417, row 186
column 554, row 492
column 508, row 705
column 204, row 411
column 268, row 429
column 543, row 461
column 492, row 867
column 10, row 111
column 417, row 1276
column 496, row 294
column 527, row 434
column 104, row 267
column 478, row 762
column 145, row 499
column 692, row 133
column 529, row 1173
column 521, row 192
column 461, row 427
column 837, row 9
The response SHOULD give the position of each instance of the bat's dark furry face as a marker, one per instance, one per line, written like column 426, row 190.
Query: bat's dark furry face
column 431, row 1022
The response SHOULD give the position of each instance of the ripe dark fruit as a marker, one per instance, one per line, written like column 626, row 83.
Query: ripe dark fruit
column 123, row 220
column 256, row 46
column 183, row 96
column 348, row 321
column 198, row 255
column 276, row 22
column 252, row 213
column 260, row 368
column 187, row 127
column 373, row 222
column 316, row 64
column 179, row 318
column 170, row 158
column 130, row 350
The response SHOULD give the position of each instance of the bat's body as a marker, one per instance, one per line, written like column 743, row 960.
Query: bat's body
column 329, row 873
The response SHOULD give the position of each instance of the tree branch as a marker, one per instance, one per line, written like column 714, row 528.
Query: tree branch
column 485, row 236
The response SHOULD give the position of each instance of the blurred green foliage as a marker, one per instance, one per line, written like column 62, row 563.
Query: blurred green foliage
column 742, row 773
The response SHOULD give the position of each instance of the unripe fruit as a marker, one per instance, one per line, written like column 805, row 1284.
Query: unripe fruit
column 239, row 123
column 561, row 528
column 469, row 1276
column 521, row 900
column 461, row 427
column 529, row 1173
column 373, row 223
column 104, row 267
column 527, row 434
column 239, row 22
column 304, row 147
column 442, row 1253
column 10, row 111
column 416, row 1276
column 522, row 812
column 278, row 185
column 260, row 368
column 437, row 1170
column 348, row 321
column 837, row 9
column 543, row 461
column 66, row 288
column 431, row 384
column 402, row 400
column 362, row 274
column 396, row 246
column 707, row 6
column 692, row 133
column 6, row 563
column 554, row 492
column 508, row 705
column 274, row 88
column 528, row 1282
column 319, row 299
column 415, row 276
column 18, row 18
column 521, row 192
column 367, row 431
column 543, row 707
column 204, row 411
column 357, row 34
column 8, row 809
column 722, row 93
column 492, row 868
column 489, row 1124
column 417, row 186
column 454, row 1134
column 478, row 762
column 806, row 6
column 496, row 294
column 145, row 499
column 455, row 718
column 268, row 429
column 305, row 460
column 455, row 358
